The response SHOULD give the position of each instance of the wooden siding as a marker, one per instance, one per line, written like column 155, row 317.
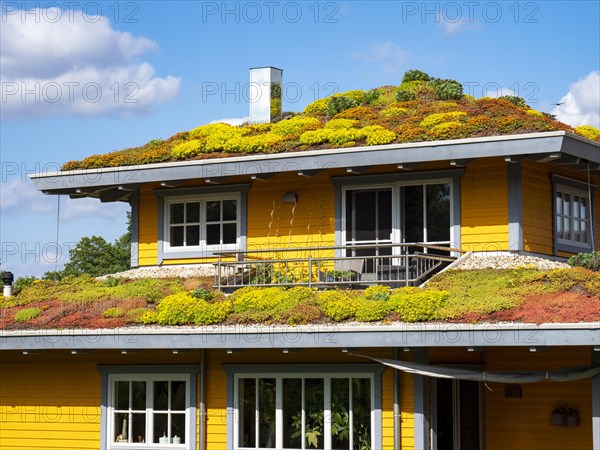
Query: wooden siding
column 522, row 423
column 484, row 206
column 148, row 227
column 538, row 222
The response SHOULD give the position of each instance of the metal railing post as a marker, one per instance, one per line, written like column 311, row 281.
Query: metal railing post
column 310, row 270
column 219, row 273
column 406, row 271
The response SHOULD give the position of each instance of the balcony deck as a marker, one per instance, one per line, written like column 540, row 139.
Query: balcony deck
column 349, row 266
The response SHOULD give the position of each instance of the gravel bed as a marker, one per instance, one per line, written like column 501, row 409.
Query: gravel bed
column 471, row 263
column 164, row 272
column 509, row 262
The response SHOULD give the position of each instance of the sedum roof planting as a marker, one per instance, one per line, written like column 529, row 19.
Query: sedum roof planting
column 420, row 109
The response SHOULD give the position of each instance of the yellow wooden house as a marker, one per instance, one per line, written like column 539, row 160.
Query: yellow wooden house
column 393, row 214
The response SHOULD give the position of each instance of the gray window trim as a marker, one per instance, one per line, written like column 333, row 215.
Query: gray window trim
column 426, row 176
column 134, row 201
column 324, row 369
column 558, row 181
column 163, row 194
column 106, row 370
column 515, row 206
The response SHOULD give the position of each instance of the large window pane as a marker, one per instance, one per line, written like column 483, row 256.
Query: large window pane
column 229, row 209
column 266, row 412
column 229, row 233
column 161, row 428
column 314, row 419
column 138, row 395
column 176, row 238
column 192, row 235
column 177, row 395
column 247, row 412
column 138, row 427
column 122, row 395
column 161, row 395
column 213, row 211
column 292, row 413
column 340, row 413
column 192, row 212
column 361, row 414
column 384, row 215
column 177, row 212
column 438, row 212
column 413, row 214
column 213, row 234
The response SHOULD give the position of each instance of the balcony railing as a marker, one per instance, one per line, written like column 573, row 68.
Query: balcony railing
column 356, row 266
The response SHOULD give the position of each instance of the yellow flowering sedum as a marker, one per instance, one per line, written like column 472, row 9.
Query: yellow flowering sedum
column 447, row 130
column 317, row 107
column 533, row 112
column 187, row 149
column 295, row 125
column 435, row 119
column 315, row 137
column 394, row 111
column 336, row 124
column 588, row 131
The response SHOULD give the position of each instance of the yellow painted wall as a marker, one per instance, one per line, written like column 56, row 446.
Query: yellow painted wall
column 52, row 400
column 537, row 204
column 148, row 227
column 484, row 206
column 522, row 423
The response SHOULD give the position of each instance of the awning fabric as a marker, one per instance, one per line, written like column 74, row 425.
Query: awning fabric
column 564, row 374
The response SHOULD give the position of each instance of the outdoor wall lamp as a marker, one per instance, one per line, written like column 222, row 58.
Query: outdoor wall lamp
column 7, row 281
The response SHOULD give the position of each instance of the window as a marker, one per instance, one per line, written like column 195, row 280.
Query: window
column 399, row 213
column 152, row 411
column 572, row 216
column 306, row 410
column 202, row 222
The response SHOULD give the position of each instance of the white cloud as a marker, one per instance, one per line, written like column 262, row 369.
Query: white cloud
column 456, row 24
column 389, row 56
column 581, row 105
column 78, row 66
column 234, row 121
column 21, row 197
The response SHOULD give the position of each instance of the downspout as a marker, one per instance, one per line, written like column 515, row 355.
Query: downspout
column 396, row 394
column 202, row 402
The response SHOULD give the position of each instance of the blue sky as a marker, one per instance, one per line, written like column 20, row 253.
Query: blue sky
column 83, row 77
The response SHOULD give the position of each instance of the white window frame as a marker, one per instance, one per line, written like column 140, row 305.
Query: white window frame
column 202, row 246
column 396, row 235
column 109, row 425
column 322, row 371
column 572, row 188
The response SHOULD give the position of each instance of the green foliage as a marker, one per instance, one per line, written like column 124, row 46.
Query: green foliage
column 86, row 289
column 372, row 310
column 301, row 314
column 21, row 283
column 135, row 314
column 515, row 100
column 447, row 89
column 27, row 314
column 588, row 260
column 404, row 95
column 415, row 75
column 268, row 304
column 378, row 292
column 339, row 103
column 415, row 305
column 203, row 294
column 371, row 96
column 338, row 305
column 113, row 312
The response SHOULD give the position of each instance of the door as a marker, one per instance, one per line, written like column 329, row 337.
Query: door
column 456, row 418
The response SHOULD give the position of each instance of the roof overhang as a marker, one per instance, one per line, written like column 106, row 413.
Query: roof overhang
column 407, row 336
column 117, row 183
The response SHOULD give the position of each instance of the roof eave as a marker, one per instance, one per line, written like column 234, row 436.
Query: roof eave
column 89, row 182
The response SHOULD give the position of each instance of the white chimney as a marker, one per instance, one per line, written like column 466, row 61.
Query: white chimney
column 265, row 93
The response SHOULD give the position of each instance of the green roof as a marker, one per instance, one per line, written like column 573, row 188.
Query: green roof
column 420, row 109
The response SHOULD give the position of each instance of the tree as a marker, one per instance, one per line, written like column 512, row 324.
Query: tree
column 95, row 256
